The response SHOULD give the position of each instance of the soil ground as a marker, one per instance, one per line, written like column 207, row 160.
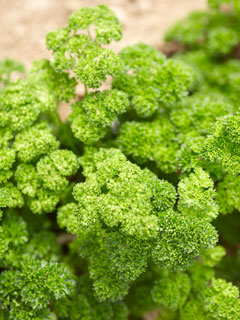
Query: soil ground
column 25, row 23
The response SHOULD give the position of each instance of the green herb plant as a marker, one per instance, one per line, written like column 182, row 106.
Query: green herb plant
column 128, row 208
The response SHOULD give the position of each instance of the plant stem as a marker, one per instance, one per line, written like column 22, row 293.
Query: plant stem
column 63, row 131
column 85, row 90
column 89, row 34
column 67, row 194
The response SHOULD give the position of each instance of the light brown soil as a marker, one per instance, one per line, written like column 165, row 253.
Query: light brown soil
column 25, row 23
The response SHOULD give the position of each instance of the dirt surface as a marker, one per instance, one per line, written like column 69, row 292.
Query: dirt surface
column 25, row 23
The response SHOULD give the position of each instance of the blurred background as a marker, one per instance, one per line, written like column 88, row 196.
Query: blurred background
column 25, row 23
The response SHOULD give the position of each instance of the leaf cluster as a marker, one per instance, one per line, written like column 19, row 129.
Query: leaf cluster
column 117, row 212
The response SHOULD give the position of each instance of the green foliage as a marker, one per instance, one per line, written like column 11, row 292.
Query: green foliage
column 133, row 233
column 7, row 158
column 208, row 129
column 106, row 25
column 43, row 184
column 7, row 67
column 10, row 196
column 216, row 4
column 66, row 218
column 196, row 196
column 83, row 305
column 223, row 145
column 22, row 102
column 199, row 112
column 222, row 78
column 53, row 168
column 150, row 79
column 215, row 30
column 34, row 142
column 92, row 117
column 28, row 291
column 150, row 141
column 134, row 212
column 31, row 279
column 128, row 228
column 33, row 170
column 171, row 290
column 214, row 298
column 221, row 300
column 95, row 64
column 222, row 40
column 213, row 257
column 84, row 54
column 189, row 31
column 175, row 254
column 228, row 195
column 58, row 83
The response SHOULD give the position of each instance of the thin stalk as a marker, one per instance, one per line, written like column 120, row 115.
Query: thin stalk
column 89, row 34
column 67, row 194
column 63, row 131
column 85, row 90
